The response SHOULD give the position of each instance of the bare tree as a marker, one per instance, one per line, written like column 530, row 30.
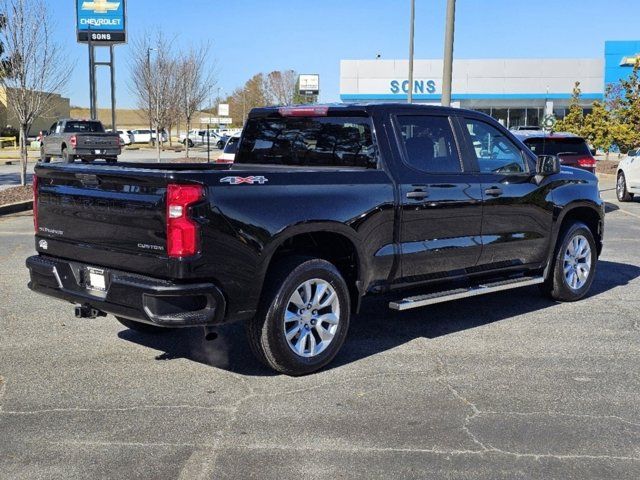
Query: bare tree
column 196, row 79
column 35, row 68
column 280, row 87
column 153, row 81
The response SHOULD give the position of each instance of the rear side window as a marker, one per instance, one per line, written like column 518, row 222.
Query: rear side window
column 83, row 127
column 558, row 146
column 308, row 141
column 429, row 144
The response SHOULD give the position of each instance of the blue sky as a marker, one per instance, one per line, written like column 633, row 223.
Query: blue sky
column 311, row 36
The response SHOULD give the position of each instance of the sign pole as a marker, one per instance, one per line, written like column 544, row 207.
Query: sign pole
column 208, row 146
column 411, row 25
column 448, row 53
column 113, row 87
column 92, row 80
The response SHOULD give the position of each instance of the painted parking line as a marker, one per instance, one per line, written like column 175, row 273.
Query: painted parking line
column 629, row 213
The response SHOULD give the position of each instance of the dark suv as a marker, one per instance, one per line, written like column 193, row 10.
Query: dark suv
column 572, row 150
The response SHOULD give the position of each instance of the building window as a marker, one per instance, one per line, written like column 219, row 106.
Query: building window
column 533, row 117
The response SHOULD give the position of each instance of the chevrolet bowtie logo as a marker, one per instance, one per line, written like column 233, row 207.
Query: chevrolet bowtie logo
column 100, row 6
column 630, row 61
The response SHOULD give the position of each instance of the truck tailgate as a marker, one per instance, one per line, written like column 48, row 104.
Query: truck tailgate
column 82, row 208
column 97, row 141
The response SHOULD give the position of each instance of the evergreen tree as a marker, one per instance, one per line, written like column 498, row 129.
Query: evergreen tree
column 573, row 122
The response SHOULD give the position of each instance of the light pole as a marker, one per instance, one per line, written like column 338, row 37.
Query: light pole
column 411, row 24
column 448, row 53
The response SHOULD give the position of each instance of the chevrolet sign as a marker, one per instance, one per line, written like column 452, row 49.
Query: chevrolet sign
column 630, row 61
column 101, row 21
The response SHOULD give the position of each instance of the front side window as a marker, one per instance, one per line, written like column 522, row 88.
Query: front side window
column 429, row 144
column 494, row 151
column 308, row 141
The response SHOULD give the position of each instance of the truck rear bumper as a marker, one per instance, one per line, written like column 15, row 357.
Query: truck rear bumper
column 137, row 297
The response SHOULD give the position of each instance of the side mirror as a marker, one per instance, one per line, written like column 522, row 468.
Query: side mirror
column 547, row 165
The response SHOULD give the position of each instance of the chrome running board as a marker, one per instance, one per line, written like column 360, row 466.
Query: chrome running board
column 455, row 294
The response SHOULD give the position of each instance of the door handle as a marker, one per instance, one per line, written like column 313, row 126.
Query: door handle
column 417, row 195
column 493, row 192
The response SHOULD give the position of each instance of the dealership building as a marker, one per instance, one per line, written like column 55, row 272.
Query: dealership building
column 514, row 91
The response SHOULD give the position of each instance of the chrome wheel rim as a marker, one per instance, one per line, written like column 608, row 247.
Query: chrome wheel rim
column 311, row 318
column 577, row 262
column 621, row 185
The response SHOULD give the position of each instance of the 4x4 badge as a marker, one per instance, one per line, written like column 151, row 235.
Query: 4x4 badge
column 250, row 180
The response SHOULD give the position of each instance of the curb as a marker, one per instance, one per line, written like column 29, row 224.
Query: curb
column 16, row 207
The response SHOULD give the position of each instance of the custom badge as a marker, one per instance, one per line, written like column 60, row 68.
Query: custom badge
column 250, row 180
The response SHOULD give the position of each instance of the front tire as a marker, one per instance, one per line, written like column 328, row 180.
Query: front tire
column 621, row 189
column 142, row 327
column 574, row 265
column 303, row 317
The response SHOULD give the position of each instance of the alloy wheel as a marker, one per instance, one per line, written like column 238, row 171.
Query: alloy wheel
column 311, row 318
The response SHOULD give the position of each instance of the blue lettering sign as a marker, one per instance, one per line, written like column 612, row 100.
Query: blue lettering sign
column 419, row 86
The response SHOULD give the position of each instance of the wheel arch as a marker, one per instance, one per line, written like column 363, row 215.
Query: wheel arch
column 586, row 212
column 330, row 241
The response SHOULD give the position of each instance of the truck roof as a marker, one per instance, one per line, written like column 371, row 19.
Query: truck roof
column 350, row 108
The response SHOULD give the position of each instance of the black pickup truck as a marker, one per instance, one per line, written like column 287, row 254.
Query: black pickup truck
column 324, row 205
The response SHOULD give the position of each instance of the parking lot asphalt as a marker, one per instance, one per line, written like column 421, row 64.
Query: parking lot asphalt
column 504, row 386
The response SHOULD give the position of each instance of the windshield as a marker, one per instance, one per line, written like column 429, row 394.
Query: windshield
column 556, row 146
column 84, row 127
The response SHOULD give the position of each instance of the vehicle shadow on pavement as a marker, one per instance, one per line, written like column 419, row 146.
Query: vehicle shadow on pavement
column 376, row 328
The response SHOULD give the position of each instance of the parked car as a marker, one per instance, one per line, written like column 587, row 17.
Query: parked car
column 230, row 149
column 222, row 141
column 126, row 136
column 572, row 150
column 628, row 177
column 83, row 139
column 199, row 137
column 146, row 136
column 317, row 213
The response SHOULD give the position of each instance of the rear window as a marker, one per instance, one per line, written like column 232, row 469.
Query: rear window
column 308, row 141
column 83, row 127
column 557, row 146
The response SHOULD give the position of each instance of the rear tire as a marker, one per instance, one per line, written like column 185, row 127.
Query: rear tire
column 143, row 327
column 621, row 189
column 270, row 332
column 66, row 157
column 574, row 265
column 43, row 156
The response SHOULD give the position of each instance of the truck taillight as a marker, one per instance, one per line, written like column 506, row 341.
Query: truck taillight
column 73, row 141
column 35, row 203
column 182, row 231
column 588, row 162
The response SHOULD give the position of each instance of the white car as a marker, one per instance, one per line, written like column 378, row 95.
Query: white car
column 145, row 136
column 126, row 136
column 199, row 137
column 628, row 179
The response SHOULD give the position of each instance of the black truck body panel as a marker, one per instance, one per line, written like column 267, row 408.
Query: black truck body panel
column 114, row 217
